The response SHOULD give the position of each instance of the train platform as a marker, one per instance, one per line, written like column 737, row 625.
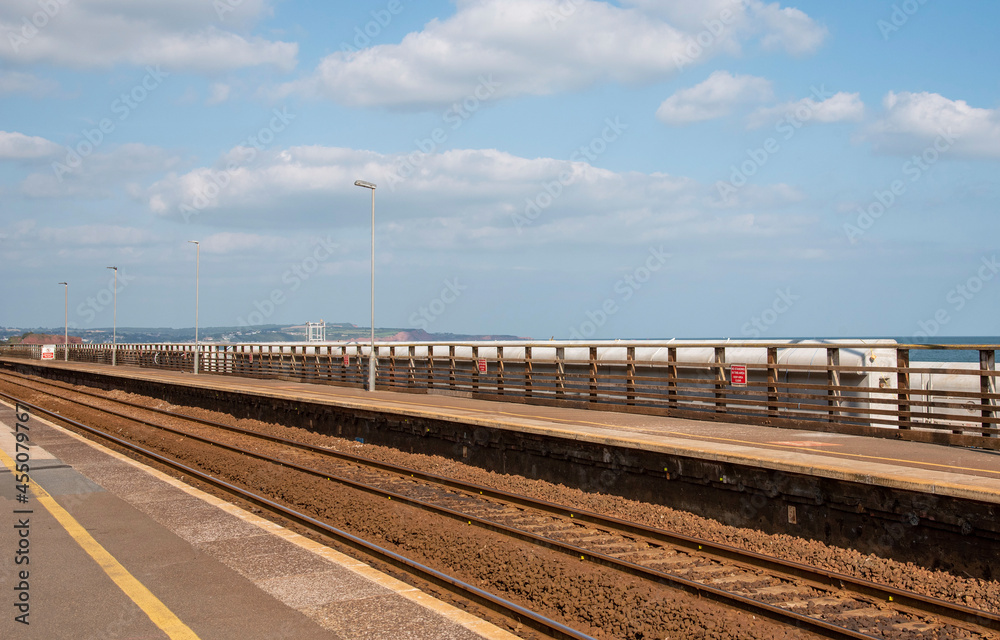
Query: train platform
column 964, row 473
column 96, row 545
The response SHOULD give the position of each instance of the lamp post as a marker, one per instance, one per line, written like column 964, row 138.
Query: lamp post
column 66, row 325
column 114, row 329
column 197, row 274
column 371, row 355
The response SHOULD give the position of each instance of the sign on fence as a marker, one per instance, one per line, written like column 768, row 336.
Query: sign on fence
column 482, row 365
column 48, row 352
column 738, row 375
column 347, row 360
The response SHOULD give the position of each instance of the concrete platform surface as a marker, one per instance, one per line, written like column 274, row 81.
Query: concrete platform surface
column 98, row 546
column 913, row 466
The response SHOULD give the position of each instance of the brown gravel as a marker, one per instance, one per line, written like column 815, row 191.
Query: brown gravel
column 979, row 594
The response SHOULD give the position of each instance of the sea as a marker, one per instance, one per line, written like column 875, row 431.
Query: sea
column 944, row 355
column 916, row 355
column 928, row 355
column 948, row 355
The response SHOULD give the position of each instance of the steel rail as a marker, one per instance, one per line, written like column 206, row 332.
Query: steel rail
column 496, row 603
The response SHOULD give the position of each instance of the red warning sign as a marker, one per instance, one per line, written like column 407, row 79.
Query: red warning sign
column 347, row 360
column 482, row 365
column 738, row 375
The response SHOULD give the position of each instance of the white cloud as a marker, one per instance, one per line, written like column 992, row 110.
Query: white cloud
column 755, row 196
column 713, row 98
column 179, row 34
column 94, row 235
column 837, row 108
column 732, row 21
column 17, row 82
column 97, row 175
column 465, row 198
column 17, row 146
column 912, row 121
column 235, row 242
column 789, row 29
column 218, row 93
column 691, row 15
column 537, row 47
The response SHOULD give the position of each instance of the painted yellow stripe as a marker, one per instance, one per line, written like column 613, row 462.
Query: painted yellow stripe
column 158, row 612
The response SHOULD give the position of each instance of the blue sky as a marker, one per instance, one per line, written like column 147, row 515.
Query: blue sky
column 568, row 168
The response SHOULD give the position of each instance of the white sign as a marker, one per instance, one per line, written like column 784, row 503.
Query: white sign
column 48, row 352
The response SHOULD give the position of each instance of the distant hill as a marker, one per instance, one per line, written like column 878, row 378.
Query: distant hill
column 44, row 338
column 419, row 335
column 335, row 332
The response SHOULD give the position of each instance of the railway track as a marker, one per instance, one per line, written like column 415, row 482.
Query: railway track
column 828, row 604
column 520, row 616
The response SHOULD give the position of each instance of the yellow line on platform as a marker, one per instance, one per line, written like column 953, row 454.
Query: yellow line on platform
column 158, row 612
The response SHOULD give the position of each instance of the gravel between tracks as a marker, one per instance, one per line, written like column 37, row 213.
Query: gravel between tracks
column 979, row 594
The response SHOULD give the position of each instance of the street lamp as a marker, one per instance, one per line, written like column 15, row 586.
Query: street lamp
column 66, row 326
column 114, row 329
column 371, row 356
column 197, row 273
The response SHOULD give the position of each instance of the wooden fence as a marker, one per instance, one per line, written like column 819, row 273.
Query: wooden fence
column 869, row 388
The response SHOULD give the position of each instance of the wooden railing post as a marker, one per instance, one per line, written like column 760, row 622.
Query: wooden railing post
column 671, row 378
column 430, row 366
column 475, row 368
column 499, row 370
column 593, row 374
column 392, row 365
column 361, row 365
column 561, row 371
column 411, row 374
column 630, row 375
column 772, row 381
column 451, row 366
column 987, row 386
column 527, row 371
column 720, row 379
column 903, row 387
column 833, row 380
